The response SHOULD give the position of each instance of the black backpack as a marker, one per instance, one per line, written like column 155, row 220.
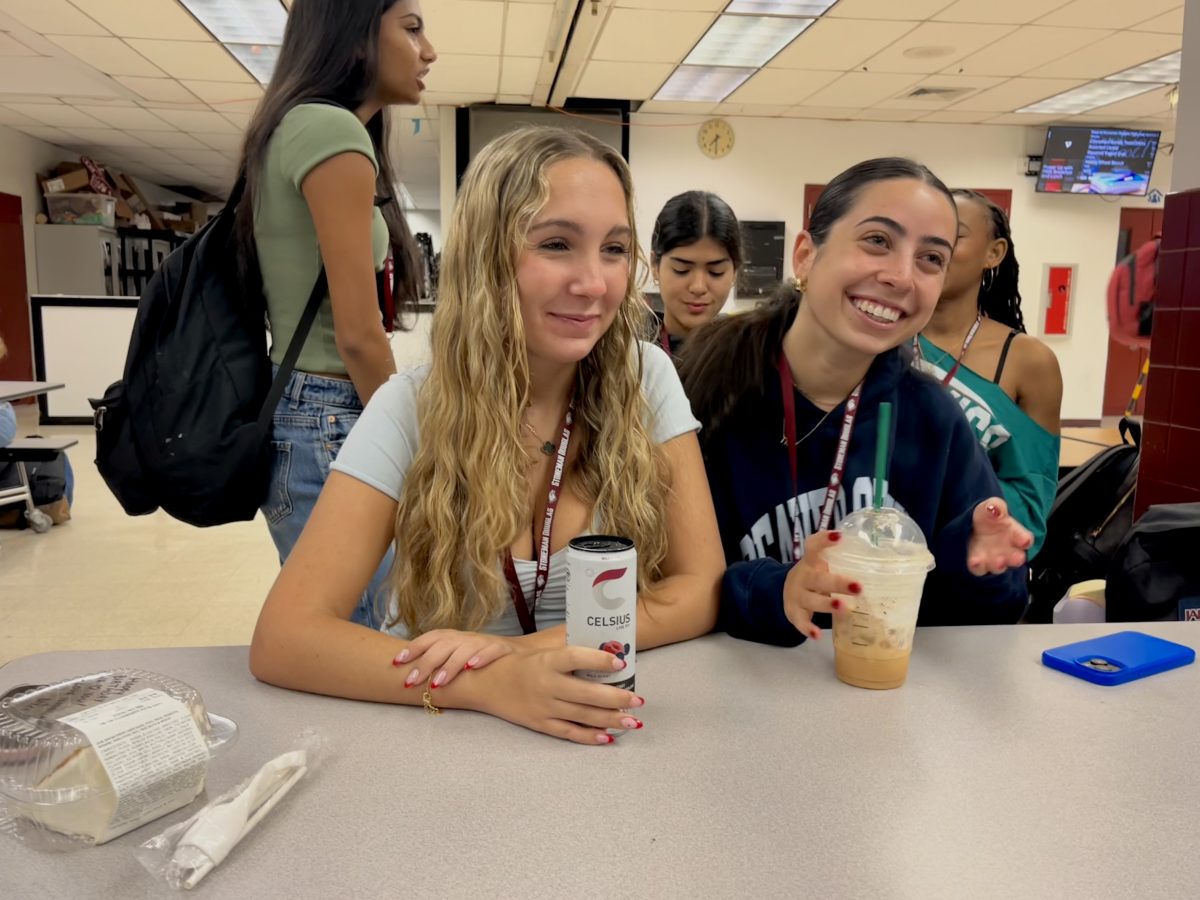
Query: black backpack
column 1092, row 512
column 188, row 427
column 1155, row 573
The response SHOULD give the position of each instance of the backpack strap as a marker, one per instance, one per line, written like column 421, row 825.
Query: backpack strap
column 299, row 336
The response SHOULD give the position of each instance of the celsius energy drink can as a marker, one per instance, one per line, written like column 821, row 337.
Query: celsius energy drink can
column 602, row 602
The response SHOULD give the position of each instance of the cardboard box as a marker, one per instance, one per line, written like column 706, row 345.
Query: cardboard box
column 67, row 183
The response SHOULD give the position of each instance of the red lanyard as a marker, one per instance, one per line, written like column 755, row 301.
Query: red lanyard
column 839, row 460
column 664, row 339
column 961, row 353
column 525, row 610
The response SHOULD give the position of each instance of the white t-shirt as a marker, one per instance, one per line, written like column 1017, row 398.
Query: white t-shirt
column 382, row 444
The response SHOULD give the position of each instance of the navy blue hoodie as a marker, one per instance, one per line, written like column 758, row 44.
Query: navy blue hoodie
column 938, row 475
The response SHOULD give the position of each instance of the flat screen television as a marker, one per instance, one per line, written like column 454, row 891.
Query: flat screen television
column 1083, row 160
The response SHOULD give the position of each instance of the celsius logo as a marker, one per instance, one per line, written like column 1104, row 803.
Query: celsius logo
column 605, row 600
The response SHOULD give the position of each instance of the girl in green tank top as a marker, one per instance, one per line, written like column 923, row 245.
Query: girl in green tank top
column 1007, row 382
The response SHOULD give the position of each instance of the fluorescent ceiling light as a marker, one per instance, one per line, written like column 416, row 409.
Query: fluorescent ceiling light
column 258, row 58
column 745, row 40
column 812, row 8
column 703, row 83
column 1164, row 70
column 241, row 21
column 1089, row 96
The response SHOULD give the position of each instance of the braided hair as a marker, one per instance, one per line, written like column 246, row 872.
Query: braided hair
column 999, row 295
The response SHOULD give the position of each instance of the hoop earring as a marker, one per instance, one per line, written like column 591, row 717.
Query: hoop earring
column 800, row 285
column 988, row 280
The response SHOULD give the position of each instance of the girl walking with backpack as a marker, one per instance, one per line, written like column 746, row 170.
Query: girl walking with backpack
column 789, row 396
column 320, row 193
column 1007, row 382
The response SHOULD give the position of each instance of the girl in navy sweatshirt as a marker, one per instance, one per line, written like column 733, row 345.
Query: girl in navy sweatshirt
column 789, row 397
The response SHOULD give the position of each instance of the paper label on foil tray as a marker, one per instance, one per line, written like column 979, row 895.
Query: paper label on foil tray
column 152, row 752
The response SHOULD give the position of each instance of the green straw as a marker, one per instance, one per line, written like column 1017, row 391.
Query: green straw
column 881, row 451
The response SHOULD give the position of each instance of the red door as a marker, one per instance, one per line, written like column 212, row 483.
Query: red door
column 1125, row 363
column 14, row 297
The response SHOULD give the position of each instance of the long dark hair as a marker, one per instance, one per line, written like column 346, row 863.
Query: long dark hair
column 999, row 294
column 730, row 356
column 329, row 53
column 693, row 216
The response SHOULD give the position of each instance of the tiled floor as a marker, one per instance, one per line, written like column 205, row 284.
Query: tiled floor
column 106, row 580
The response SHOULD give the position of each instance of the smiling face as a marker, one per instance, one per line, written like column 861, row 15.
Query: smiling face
column 695, row 281
column 874, row 282
column 573, row 273
column 405, row 54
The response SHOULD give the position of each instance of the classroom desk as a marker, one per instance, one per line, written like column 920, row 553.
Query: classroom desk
column 758, row 774
column 19, row 390
column 1081, row 444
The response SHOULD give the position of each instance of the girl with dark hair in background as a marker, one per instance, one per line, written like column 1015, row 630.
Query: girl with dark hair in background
column 812, row 366
column 315, row 160
column 1007, row 382
column 695, row 252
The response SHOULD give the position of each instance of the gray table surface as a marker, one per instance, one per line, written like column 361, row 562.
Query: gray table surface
column 758, row 774
column 19, row 390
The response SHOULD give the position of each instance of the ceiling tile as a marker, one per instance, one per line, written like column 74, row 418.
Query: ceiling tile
column 703, row 5
column 787, row 86
column 240, row 120
column 51, row 17
column 1010, row 12
column 860, row 89
column 108, row 54
column 676, row 107
column 227, row 143
column 454, row 74
column 527, row 29
column 199, row 60
column 762, row 110
column 207, row 157
column 634, row 80
column 1107, row 13
column 195, row 120
column 951, row 117
column 238, row 95
column 10, row 46
column 12, row 117
column 45, row 133
column 634, row 35
column 839, row 44
column 908, row 10
column 56, row 114
column 1120, row 51
column 1024, row 119
column 168, row 139
column 164, row 90
column 1015, row 94
column 1170, row 23
column 1025, row 49
column 144, row 19
column 107, row 137
column 464, row 26
column 833, row 113
column 518, row 74
column 888, row 115
column 84, row 102
column 132, row 118
column 935, row 45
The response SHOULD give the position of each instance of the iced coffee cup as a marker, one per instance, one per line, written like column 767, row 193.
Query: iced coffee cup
column 884, row 551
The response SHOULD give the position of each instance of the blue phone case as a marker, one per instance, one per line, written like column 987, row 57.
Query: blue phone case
column 1118, row 658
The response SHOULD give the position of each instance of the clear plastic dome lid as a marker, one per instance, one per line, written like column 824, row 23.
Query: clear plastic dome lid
column 885, row 539
column 39, row 753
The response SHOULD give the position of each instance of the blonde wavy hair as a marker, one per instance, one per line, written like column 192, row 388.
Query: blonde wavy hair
column 466, row 496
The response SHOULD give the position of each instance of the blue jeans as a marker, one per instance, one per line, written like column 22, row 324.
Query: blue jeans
column 311, row 423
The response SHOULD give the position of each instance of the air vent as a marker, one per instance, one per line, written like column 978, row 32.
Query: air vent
column 938, row 93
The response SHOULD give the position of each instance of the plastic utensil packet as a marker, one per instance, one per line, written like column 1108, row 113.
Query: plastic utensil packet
column 186, row 852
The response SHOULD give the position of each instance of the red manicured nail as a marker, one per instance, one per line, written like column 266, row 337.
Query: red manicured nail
column 630, row 723
column 834, row 537
column 397, row 662
column 835, row 603
column 603, row 738
column 855, row 588
column 638, row 701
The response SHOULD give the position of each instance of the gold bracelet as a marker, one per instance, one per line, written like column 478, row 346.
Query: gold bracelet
column 427, row 699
